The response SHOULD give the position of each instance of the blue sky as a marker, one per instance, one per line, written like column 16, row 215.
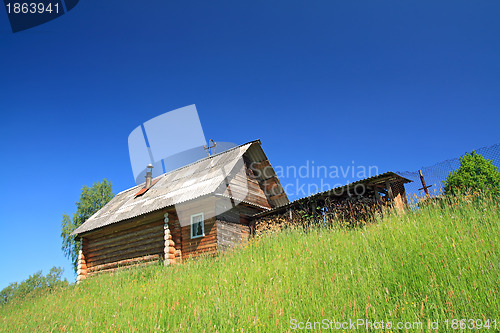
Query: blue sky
column 397, row 84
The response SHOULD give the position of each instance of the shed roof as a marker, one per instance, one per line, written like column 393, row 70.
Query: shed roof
column 190, row 182
column 377, row 180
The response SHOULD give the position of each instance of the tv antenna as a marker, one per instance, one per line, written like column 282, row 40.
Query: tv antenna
column 211, row 144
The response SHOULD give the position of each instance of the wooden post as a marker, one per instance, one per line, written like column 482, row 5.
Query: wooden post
column 399, row 195
column 377, row 195
column 389, row 190
column 424, row 187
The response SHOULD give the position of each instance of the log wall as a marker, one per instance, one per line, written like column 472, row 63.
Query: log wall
column 193, row 247
column 175, row 238
column 136, row 242
column 157, row 237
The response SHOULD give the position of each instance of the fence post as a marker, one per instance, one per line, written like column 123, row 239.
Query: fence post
column 424, row 187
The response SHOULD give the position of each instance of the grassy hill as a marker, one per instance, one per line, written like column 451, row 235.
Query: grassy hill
column 438, row 263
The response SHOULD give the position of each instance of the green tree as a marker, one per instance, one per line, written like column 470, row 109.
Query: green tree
column 91, row 200
column 8, row 293
column 33, row 285
column 474, row 174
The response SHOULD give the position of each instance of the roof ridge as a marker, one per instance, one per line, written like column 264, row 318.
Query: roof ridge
column 190, row 164
column 206, row 181
column 208, row 157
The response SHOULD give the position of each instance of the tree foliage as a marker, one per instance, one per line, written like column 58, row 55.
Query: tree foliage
column 33, row 284
column 91, row 200
column 475, row 174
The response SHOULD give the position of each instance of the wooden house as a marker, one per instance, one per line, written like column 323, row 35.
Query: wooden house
column 201, row 208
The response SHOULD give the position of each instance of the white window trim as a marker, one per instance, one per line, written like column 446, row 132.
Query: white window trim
column 203, row 225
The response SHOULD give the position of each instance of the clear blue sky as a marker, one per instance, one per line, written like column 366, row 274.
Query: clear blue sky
column 397, row 84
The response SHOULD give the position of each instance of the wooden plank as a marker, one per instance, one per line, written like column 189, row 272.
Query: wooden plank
column 110, row 234
column 127, row 262
column 155, row 244
column 128, row 243
column 197, row 206
column 259, row 165
column 194, row 254
column 110, row 270
column 191, row 247
column 152, row 241
column 114, row 234
column 377, row 196
column 229, row 235
column 186, row 231
column 136, row 235
column 228, row 227
column 251, row 189
column 187, row 236
column 229, row 216
column 269, row 188
column 268, row 181
column 278, row 196
column 115, row 270
column 195, row 247
column 126, row 254
column 124, row 262
column 207, row 238
column 126, row 257
column 389, row 190
column 129, row 223
column 126, row 237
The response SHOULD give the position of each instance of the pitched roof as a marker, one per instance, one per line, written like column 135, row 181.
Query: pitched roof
column 192, row 181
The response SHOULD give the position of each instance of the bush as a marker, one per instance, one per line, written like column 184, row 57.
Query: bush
column 475, row 174
column 34, row 284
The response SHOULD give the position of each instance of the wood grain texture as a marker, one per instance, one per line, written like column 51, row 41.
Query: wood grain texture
column 127, row 266
column 193, row 247
column 231, row 234
column 128, row 241
column 127, row 224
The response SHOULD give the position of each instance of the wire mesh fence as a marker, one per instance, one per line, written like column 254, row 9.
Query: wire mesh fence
column 435, row 175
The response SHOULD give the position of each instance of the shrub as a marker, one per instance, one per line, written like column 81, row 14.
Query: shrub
column 33, row 284
column 475, row 174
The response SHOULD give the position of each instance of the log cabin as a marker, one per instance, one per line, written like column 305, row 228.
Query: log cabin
column 199, row 209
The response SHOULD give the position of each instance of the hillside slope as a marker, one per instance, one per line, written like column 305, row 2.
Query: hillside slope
column 435, row 264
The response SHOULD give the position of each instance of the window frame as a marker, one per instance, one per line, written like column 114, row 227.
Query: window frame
column 202, row 225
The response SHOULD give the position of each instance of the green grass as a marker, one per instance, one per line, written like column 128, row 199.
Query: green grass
column 439, row 263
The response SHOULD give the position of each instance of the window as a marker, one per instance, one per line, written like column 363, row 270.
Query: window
column 197, row 225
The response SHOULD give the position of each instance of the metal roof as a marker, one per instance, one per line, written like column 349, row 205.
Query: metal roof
column 192, row 181
column 375, row 180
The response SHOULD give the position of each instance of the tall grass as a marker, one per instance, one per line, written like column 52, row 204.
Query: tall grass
column 440, row 262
